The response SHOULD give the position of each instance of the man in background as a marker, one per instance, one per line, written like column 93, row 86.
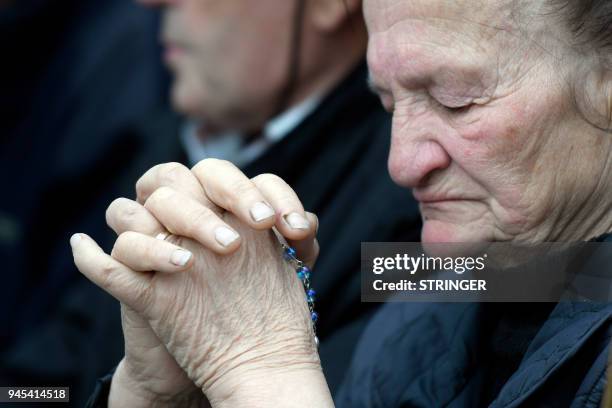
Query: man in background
column 275, row 86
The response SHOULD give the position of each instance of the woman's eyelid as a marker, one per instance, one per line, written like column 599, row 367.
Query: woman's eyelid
column 452, row 106
column 451, row 99
column 457, row 92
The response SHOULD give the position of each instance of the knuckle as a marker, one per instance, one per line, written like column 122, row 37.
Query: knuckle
column 240, row 189
column 108, row 272
column 121, row 210
column 203, row 165
column 269, row 179
column 275, row 185
column 111, row 211
column 149, row 253
column 198, row 219
column 116, row 203
column 169, row 173
column 140, row 184
column 109, row 268
column 287, row 202
column 143, row 185
column 124, row 240
column 159, row 196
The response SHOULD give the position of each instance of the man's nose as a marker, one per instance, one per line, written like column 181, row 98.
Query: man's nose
column 413, row 157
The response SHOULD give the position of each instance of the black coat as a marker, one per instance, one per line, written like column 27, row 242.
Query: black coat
column 336, row 162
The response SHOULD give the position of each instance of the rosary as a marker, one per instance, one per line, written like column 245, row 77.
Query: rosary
column 303, row 274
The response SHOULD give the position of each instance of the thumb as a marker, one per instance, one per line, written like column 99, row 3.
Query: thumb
column 127, row 286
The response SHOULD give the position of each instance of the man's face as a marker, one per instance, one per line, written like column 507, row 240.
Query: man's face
column 229, row 57
column 484, row 129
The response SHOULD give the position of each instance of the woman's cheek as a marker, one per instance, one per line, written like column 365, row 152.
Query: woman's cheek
column 496, row 137
column 491, row 151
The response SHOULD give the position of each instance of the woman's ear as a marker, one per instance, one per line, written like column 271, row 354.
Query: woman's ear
column 330, row 15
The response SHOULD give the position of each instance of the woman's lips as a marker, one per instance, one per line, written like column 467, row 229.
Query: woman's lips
column 443, row 203
column 429, row 197
column 436, row 199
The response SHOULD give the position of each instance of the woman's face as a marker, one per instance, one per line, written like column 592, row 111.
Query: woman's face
column 485, row 128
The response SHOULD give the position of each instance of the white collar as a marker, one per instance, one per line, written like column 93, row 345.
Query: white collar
column 281, row 125
column 229, row 145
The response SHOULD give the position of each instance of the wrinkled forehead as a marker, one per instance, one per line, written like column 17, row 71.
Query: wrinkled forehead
column 383, row 14
column 423, row 37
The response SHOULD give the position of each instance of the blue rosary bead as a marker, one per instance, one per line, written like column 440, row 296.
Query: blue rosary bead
column 289, row 254
column 304, row 271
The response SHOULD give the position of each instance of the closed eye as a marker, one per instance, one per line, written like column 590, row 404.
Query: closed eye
column 458, row 109
column 452, row 109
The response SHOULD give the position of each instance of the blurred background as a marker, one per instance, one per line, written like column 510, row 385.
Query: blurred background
column 77, row 78
column 86, row 111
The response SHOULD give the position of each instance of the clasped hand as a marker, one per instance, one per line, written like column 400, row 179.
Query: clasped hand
column 211, row 312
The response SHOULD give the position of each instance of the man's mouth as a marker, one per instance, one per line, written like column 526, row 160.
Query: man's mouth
column 173, row 51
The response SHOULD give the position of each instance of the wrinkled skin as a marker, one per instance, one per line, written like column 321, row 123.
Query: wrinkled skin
column 198, row 328
column 201, row 315
column 220, row 319
column 486, row 128
column 212, row 304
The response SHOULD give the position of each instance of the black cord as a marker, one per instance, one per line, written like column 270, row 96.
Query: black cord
column 293, row 70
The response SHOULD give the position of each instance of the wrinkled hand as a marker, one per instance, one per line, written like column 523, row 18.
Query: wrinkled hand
column 148, row 375
column 221, row 317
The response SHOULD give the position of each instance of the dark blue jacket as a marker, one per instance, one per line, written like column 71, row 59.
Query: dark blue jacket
column 473, row 355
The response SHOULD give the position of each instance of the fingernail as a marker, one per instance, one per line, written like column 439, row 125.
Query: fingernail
column 180, row 257
column 225, row 236
column 261, row 211
column 297, row 221
column 75, row 239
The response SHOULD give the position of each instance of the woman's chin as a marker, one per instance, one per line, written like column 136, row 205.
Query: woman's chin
column 436, row 233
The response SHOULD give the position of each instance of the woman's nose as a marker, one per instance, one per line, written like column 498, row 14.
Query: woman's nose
column 412, row 159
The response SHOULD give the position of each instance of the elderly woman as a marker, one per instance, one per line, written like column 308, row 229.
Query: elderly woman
column 502, row 113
